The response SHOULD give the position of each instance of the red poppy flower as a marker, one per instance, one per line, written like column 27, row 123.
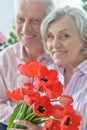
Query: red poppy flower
column 30, row 68
column 15, row 95
column 50, row 75
column 31, row 97
column 49, row 83
column 68, row 109
column 66, row 99
column 27, row 86
column 38, row 85
column 70, row 120
column 19, row 93
column 52, row 125
column 53, row 89
column 44, row 77
column 45, row 74
column 42, row 72
column 43, row 107
column 58, row 111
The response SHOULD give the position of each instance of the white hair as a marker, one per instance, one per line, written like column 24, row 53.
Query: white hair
column 49, row 3
column 79, row 20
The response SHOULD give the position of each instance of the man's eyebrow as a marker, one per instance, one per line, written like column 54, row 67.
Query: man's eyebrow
column 36, row 17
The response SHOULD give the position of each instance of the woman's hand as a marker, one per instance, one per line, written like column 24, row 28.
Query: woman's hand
column 29, row 125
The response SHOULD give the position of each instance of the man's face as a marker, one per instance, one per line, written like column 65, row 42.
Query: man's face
column 28, row 20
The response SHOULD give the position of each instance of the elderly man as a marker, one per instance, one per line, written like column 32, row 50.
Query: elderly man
column 28, row 17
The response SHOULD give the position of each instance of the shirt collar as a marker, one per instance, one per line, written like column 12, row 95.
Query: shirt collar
column 45, row 59
column 20, row 52
column 81, row 68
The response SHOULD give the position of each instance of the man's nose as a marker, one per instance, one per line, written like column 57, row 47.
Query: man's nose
column 27, row 27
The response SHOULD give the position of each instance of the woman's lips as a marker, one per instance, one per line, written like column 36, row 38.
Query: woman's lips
column 58, row 53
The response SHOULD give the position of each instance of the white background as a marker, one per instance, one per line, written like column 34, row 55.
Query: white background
column 60, row 3
column 7, row 12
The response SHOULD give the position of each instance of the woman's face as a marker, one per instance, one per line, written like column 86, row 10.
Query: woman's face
column 64, row 42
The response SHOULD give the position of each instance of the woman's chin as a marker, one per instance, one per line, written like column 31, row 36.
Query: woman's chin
column 58, row 62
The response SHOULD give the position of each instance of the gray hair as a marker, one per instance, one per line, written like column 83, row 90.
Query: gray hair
column 49, row 3
column 79, row 18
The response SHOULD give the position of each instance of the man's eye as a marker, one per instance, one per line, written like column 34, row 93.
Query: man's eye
column 36, row 21
column 20, row 19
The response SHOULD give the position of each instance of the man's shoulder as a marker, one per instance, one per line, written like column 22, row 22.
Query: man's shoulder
column 10, row 49
column 9, row 53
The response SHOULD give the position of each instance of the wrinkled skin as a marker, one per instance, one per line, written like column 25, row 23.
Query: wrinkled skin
column 29, row 125
column 28, row 19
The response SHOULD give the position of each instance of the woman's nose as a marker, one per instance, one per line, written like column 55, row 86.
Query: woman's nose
column 57, row 43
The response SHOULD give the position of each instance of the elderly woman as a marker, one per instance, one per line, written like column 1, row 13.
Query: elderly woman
column 64, row 33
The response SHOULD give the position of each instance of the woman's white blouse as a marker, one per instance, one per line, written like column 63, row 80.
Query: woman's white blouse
column 77, row 88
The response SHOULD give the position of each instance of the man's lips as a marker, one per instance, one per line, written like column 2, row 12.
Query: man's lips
column 29, row 36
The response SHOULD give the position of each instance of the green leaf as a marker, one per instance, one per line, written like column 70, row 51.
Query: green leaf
column 84, row 0
column 18, row 113
column 12, row 118
column 29, row 111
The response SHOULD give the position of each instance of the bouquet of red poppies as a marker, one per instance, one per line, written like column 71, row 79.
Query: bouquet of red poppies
column 42, row 100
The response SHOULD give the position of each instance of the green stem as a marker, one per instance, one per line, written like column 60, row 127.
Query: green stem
column 29, row 116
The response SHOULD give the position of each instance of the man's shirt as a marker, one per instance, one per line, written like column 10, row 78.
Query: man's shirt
column 11, row 78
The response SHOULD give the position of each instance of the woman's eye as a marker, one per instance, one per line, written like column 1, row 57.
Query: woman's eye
column 50, row 36
column 64, row 36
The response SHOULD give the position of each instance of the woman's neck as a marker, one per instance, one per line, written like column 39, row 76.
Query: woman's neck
column 68, row 72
